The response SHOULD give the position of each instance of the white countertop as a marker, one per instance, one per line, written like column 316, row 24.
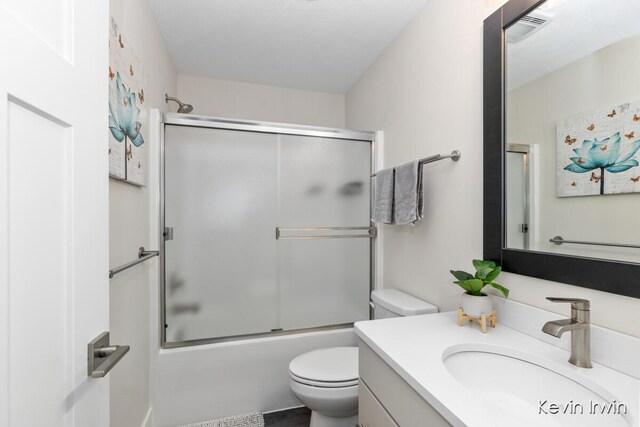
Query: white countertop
column 414, row 348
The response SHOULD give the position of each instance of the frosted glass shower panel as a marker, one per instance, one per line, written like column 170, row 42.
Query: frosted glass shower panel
column 221, row 266
column 324, row 282
column 324, row 183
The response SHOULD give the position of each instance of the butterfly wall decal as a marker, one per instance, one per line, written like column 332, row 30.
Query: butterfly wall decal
column 636, row 179
column 629, row 135
column 568, row 140
column 612, row 113
column 595, row 178
column 592, row 127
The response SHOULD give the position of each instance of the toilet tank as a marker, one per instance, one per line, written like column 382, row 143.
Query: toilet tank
column 394, row 303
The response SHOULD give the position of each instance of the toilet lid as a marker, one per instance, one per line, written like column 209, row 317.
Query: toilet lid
column 324, row 384
column 327, row 367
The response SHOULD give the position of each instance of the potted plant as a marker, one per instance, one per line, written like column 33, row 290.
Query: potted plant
column 474, row 302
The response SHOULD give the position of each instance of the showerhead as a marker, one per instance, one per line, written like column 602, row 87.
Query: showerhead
column 182, row 107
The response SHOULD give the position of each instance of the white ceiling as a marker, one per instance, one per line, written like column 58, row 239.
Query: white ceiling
column 578, row 28
column 322, row 45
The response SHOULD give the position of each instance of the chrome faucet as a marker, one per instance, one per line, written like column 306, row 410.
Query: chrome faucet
column 579, row 325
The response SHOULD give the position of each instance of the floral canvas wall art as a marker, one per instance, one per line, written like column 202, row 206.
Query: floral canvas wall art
column 599, row 153
column 128, row 113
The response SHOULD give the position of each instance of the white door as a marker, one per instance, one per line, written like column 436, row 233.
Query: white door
column 53, row 210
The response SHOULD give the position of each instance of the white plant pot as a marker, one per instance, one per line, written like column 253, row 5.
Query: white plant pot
column 474, row 306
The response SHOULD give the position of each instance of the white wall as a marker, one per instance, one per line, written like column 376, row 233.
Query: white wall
column 129, row 229
column 223, row 98
column 425, row 92
column 535, row 108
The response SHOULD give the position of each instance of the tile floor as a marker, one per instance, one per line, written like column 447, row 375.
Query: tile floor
column 298, row 417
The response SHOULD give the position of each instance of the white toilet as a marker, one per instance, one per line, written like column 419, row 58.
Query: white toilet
column 326, row 380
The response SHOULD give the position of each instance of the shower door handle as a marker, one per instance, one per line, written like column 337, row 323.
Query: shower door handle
column 371, row 233
column 168, row 233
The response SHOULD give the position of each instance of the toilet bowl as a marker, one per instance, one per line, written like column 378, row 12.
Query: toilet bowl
column 326, row 381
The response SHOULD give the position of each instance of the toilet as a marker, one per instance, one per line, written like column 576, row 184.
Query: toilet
column 326, row 380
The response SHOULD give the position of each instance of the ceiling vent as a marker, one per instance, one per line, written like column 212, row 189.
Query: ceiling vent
column 527, row 25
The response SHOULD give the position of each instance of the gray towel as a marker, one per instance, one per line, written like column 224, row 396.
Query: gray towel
column 408, row 203
column 383, row 207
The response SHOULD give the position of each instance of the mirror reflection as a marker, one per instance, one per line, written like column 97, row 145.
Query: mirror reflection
column 572, row 161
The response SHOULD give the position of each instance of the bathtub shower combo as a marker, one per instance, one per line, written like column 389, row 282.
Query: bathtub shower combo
column 266, row 229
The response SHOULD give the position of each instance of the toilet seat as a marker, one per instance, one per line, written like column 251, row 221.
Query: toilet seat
column 334, row 367
column 325, row 384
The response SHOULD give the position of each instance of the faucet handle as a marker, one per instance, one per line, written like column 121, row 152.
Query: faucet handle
column 576, row 303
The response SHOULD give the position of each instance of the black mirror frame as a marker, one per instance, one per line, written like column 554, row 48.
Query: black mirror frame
column 616, row 277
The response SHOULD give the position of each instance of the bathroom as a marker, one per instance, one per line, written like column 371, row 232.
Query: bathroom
column 363, row 87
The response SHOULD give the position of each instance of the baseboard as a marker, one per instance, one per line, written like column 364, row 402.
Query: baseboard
column 147, row 419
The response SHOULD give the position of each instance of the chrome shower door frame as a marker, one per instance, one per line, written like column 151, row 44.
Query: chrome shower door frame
column 175, row 119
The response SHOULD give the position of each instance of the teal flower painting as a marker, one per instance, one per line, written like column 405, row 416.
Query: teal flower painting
column 128, row 112
column 123, row 117
column 598, row 153
column 607, row 155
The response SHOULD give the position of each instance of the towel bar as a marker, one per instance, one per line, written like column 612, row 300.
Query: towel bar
column 143, row 255
column 455, row 156
column 558, row 240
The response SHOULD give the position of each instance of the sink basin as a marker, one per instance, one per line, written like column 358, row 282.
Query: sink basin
column 528, row 386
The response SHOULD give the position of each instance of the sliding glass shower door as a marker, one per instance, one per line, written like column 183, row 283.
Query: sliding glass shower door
column 270, row 232
column 323, row 182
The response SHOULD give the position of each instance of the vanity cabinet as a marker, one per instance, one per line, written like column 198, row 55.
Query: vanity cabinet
column 371, row 413
column 386, row 400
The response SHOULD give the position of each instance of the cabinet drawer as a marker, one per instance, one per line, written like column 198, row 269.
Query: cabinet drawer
column 371, row 413
column 405, row 406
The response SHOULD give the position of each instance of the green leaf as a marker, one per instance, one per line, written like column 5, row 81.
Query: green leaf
column 483, row 272
column 461, row 275
column 476, row 286
column 464, row 285
column 483, row 268
column 481, row 264
column 493, row 274
column 501, row 288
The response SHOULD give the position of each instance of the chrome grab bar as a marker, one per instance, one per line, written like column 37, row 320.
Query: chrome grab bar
column 371, row 233
column 143, row 255
column 558, row 240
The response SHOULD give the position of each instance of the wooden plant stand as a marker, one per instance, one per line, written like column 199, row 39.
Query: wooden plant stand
column 482, row 320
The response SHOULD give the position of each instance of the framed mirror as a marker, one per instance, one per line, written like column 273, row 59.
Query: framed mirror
column 562, row 142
